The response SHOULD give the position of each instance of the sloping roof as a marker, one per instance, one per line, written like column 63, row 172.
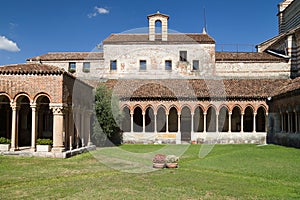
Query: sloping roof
column 291, row 85
column 31, row 68
column 200, row 88
column 62, row 56
column 172, row 38
column 248, row 56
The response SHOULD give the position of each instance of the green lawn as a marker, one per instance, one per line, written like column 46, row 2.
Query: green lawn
column 228, row 172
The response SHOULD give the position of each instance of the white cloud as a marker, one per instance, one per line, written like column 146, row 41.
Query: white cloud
column 8, row 45
column 101, row 11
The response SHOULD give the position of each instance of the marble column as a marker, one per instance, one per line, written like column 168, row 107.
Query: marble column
column 14, row 127
column 131, row 122
column 254, row 122
column 155, row 122
column 58, row 127
column 242, row 122
column 34, row 126
column 229, row 122
column 204, row 122
column 144, row 121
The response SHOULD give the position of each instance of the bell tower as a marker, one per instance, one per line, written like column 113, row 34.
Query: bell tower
column 164, row 26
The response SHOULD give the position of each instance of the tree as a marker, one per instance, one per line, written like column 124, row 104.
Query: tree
column 106, row 129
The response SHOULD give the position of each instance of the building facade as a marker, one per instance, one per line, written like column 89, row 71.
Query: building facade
column 176, row 88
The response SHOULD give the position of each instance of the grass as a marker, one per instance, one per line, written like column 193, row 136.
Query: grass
column 228, row 172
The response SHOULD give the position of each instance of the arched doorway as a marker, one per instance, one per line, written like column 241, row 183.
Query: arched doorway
column 211, row 119
column 5, row 116
column 137, row 120
column 261, row 120
column 236, row 119
column 161, row 120
column 173, row 120
column 185, row 124
column 45, row 118
column 149, row 120
column 126, row 121
column 223, row 120
column 248, row 120
column 24, row 121
column 198, row 120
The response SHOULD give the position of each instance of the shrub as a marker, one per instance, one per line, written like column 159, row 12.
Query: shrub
column 4, row 140
column 172, row 159
column 43, row 141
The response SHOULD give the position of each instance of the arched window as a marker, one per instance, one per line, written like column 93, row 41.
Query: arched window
column 161, row 120
column 173, row 120
column 137, row 120
column 236, row 119
column 198, row 120
column 126, row 122
column 223, row 120
column 211, row 120
column 149, row 120
column 248, row 120
column 5, row 116
column 261, row 120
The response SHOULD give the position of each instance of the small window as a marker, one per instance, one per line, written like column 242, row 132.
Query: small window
column 183, row 56
column 86, row 67
column 113, row 65
column 168, row 64
column 143, row 64
column 72, row 67
column 195, row 65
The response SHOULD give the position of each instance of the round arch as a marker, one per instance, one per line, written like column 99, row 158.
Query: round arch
column 18, row 97
column 39, row 95
column 5, row 115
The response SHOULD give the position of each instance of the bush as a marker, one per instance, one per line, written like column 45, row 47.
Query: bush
column 172, row 159
column 4, row 140
column 106, row 130
column 159, row 158
column 44, row 141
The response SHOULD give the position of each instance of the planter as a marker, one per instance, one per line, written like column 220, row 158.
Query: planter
column 43, row 148
column 172, row 165
column 159, row 165
column 4, row 147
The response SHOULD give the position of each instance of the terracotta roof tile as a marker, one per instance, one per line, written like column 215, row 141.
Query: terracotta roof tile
column 247, row 56
column 68, row 56
column 32, row 68
column 172, row 38
column 200, row 88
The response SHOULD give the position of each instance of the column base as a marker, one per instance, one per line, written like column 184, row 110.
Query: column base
column 90, row 144
column 32, row 149
column 58, row 149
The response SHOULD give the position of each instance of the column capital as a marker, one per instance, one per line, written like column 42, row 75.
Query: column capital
column 57, row 109
column 14, row 105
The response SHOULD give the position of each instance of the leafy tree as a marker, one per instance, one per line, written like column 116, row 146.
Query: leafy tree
column 106, row 129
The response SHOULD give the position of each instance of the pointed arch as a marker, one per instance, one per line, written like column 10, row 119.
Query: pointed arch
column 186, row 124
column 198, row 119
column 161, row 125
column 261, row 119
column 211, row 119
column 248, row 119
column 173, row 119
column 137, row 119
column 236, row 119
column 223, row 119
column 149, row 119
column 126, row 121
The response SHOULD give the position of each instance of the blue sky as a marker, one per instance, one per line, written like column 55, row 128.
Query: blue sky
column 30, row 28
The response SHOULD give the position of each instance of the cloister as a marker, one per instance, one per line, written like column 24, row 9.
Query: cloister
column 37, row 101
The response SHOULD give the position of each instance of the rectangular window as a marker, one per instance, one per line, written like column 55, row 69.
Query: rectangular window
column 143, row 64
column 113, row 65
column 183, row 56
column 86, row 67
column 72, row 67
column 195, row 65
column 168, row 64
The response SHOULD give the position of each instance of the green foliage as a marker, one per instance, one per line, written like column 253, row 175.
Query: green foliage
column 42, row 141
column 172, row 159
column 4, row 140
column 108, row 117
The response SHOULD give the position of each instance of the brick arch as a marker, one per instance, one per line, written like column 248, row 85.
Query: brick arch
column 40, row 95
column 249, row 105
column 200, row 106
column 17, row 96
column 237, row 105
column 6, row 95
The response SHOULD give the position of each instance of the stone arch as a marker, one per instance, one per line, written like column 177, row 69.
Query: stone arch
column 137, row 119
column 211, row 119
column 126, row 121
column 223, row 119
column 135, row 106
column 223, row 106
column 173, row 119
column 149, row 119
column 249, row 106
column 248, row 119
column 161, row 125
column 20, row 96
column 236, row 119
column 175, row 107
column 261, row 119
column 42, row 94
column 186, row 124
column 4, row 94
column 24, row 119
column 44, row 117
column 5, row 115
column 187, row 106
column 198, row 119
